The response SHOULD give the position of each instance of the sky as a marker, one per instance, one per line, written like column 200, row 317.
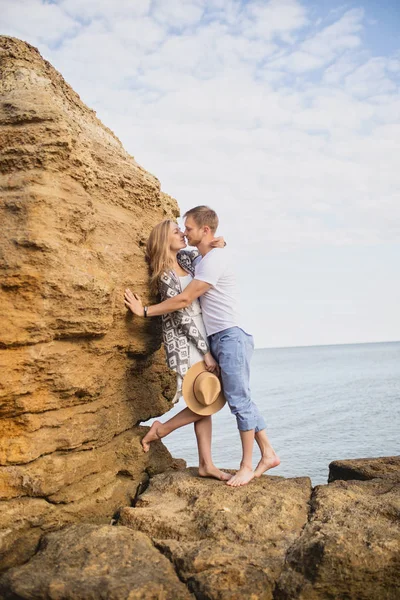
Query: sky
column 282, row 115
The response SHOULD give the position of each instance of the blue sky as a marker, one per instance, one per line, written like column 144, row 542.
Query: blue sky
column 284, row 115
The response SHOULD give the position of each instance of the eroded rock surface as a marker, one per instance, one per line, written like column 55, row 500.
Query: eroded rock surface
column 85, row 562
column 273, row 539
column 78, row 373
column 223, row 542
column 350, row 548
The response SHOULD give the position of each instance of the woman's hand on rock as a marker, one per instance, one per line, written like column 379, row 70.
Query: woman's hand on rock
column 134, row 303
column 211, row 364
column 218, row 242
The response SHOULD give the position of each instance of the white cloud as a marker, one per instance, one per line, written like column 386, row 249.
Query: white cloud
column 325, row 45
column 142, row 32
column 371, row 78
column 340, row 35
column 36, row 22
column 104, row 9
column 177, row 14
column 335, row 73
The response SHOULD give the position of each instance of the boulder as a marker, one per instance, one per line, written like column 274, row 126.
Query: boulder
column 350, row 548
column 365, row 468
column 79, row 373
column 87, row 562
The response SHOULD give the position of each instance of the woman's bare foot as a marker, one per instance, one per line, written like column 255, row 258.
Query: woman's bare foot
column 268, row 461
column 151, row 436
column 242, row 477
column 213, row 471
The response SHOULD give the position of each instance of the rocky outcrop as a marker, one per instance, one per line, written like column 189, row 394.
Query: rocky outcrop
column 78, row 373
column 276, row 539
column 223, row 542
column 350, row 548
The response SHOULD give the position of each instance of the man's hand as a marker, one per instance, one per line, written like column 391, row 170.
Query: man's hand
column 211, row 364
column 134, row 303
column 218, row 242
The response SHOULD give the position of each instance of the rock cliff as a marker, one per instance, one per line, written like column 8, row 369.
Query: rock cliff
column 77, row 372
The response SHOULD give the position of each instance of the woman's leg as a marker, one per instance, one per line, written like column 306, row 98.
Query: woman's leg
column 203, row 430
column 159, row 430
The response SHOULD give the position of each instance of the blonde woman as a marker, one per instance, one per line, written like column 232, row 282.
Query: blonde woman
column 184, row 335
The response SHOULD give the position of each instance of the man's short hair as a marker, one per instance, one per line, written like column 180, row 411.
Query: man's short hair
column 203, row 215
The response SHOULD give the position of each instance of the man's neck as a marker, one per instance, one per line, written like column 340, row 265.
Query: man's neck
column 204, row 247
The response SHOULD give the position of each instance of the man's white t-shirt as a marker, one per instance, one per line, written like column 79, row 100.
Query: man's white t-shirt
column 220, row 303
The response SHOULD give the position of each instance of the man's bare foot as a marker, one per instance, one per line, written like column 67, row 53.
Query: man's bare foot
column 242, row 477
column 151, row 436
column 213, row 471
column 267, row 462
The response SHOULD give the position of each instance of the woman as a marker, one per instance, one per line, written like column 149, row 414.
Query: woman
column 184, row 335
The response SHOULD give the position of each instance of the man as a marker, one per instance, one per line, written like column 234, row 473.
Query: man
column 214, row 283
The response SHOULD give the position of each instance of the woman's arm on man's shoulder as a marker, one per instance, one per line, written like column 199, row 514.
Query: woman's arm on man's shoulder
column 190, row 257
column 190, row 254
column 194, row 255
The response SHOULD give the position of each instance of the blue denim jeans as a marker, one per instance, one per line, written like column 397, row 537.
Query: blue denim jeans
column 232, row 348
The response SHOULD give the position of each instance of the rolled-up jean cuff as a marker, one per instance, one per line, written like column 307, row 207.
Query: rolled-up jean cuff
column 246, row 424
column 247, row 427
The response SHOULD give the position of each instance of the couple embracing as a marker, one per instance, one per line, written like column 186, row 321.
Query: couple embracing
column 203, row 339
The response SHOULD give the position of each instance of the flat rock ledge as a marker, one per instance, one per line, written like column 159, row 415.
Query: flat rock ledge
column 189, row 537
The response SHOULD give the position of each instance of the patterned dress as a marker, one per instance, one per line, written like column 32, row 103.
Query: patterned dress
column 184, row 335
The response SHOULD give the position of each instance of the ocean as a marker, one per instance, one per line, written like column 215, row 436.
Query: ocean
column 320, row 403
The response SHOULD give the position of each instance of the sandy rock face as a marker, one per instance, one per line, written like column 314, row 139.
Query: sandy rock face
column 78, row 373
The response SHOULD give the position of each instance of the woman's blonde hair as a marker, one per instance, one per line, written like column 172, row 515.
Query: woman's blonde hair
column 158, row 254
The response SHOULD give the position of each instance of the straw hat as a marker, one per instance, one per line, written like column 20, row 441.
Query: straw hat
column 202, row 391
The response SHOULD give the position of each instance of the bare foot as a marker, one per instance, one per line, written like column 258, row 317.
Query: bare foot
column 242, row 477
column 151, row 436
column 213, row 471
column 267, row 462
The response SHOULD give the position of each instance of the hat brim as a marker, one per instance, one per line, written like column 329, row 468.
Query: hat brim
column 189, row 397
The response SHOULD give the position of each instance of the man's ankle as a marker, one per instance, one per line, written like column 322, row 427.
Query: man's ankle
column 268, row 452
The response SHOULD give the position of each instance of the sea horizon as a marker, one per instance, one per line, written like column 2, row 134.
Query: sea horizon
column 325, row 345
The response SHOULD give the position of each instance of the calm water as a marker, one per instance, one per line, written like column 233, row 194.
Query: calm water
column 320, row 403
